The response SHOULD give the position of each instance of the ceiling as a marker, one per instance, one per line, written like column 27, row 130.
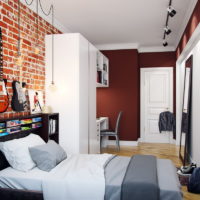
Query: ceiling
column 128, row 23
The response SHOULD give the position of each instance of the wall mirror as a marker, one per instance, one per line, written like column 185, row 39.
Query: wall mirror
column 185, row 148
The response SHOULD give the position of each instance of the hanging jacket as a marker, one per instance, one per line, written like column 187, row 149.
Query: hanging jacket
column 166, row 122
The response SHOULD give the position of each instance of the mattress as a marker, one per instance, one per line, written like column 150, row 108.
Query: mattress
column 31, row 180
column 114, row 174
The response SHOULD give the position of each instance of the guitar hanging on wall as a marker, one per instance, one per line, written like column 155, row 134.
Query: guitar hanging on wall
column 4, row 98
column 19, row 102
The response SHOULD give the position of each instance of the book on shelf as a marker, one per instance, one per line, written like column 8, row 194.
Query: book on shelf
column 2, row 130
column 37, row 125
column 14, row 129
column 3, row 134
column 52, row 126
column 25, row 128
column 36, row 119
column 2, row 125
column 12, row 123
column 26, row 121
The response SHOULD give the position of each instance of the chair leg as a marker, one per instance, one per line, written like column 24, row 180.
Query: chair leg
column 100, row 143
column 117, row 142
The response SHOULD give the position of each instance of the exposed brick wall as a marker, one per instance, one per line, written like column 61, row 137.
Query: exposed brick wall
column 33, row 69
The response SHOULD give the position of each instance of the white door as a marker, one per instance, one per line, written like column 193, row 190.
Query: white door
column 156, row 97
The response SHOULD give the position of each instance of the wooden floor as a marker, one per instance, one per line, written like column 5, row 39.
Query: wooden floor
column 167, row 151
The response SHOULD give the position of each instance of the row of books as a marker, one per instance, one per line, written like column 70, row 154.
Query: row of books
column 13, row 123
column 15, row 129
column 52, row 126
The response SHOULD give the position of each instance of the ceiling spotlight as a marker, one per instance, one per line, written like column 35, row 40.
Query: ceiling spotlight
column 165, row 43
column 171, row 11
column 167, row 30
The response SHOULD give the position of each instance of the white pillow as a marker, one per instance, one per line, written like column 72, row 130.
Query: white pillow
column 17, row 151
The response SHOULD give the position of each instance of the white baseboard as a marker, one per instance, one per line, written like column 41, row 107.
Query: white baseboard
column 123, row 143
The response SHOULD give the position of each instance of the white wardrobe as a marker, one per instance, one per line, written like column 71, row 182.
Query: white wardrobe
column 75, row 95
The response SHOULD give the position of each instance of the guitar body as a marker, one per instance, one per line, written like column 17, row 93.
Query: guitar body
column 4, row 98
column 18, row 103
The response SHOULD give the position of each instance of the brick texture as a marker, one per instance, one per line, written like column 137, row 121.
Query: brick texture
column 33, row 69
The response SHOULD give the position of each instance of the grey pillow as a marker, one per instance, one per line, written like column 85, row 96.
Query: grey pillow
column 47, row 156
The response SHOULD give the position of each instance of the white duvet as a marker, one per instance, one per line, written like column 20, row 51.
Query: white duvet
column 79, row 177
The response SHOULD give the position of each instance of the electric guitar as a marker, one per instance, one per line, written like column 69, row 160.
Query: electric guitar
column 4, row 98
column 19, row 102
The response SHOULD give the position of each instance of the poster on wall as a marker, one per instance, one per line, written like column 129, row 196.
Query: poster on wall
column 36, row 101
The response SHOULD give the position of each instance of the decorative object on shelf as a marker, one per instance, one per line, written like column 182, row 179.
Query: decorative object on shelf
column 46, row 109
column 102, row 70
column 36, row 101
column 4, row 98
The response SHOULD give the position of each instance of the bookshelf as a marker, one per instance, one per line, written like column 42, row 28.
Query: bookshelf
column 50, row 128
column 44, row 125
column 102, row 70
column 20, row 125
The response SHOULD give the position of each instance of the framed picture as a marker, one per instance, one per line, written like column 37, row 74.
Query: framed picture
column 36, row 101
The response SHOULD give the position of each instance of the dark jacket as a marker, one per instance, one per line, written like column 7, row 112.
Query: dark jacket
column 166, row 121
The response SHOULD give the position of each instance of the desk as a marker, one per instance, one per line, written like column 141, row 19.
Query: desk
column 102, row 123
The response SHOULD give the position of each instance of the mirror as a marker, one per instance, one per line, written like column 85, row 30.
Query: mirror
column 184, row 150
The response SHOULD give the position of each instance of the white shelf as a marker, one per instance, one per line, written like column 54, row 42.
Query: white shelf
column 101, row 85
column 103, row 68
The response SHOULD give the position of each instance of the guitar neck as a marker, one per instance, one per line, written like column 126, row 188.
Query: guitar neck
column 1, row 56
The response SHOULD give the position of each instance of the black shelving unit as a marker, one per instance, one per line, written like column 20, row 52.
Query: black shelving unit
column 21, row 132
column 50, row 128
column 44, row 131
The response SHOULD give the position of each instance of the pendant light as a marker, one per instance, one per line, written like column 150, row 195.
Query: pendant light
column 52, row 86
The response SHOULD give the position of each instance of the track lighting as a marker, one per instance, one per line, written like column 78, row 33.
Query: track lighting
column 165, row 43
column 171, row 11
column 167, row 30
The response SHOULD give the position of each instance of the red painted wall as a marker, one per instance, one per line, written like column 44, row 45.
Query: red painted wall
column 123, row 92
column 124, row 89
column 192, row 24
column 157, row 59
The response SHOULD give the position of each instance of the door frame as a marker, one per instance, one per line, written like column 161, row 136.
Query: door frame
column 142, row 95
column 180, row 63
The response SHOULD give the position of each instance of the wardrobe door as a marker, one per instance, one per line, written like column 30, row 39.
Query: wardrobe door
column 83, row 95
column 94, row 141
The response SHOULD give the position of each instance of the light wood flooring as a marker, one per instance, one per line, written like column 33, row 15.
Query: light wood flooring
column 166, row 151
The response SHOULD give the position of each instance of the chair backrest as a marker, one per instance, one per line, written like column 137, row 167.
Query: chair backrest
column 118, row 122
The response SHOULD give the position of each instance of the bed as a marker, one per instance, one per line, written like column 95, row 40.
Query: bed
column 125, row 177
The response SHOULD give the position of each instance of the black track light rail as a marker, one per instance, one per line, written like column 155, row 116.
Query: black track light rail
column 167, row 20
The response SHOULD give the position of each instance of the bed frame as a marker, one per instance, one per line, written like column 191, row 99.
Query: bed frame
column 14, row 194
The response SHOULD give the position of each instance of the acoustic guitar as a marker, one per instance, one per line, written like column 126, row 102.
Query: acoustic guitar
column 4, row 98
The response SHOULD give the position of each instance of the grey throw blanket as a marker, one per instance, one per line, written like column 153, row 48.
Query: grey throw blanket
column 140, row 181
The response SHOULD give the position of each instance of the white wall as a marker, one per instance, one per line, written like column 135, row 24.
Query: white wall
column 196, row 105
column 192, row 47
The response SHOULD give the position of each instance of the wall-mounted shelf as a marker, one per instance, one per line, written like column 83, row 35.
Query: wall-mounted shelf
column 45, row 125
column 18, row 125
column 50, row 128
column 102, row 70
